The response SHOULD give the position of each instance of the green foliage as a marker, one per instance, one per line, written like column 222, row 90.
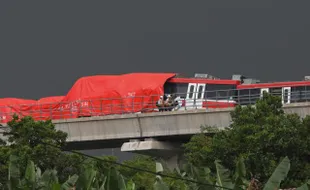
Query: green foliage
column 278, row 175
column 240, row 175
column 28, row 140
column 263, row 135
column 305, row 186
column 143, row 180
column 27, row 137
column 89, row 178
column 222, row 176
column 32, row 178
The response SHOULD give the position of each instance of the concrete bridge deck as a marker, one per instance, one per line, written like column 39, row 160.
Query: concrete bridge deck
column 112, row 131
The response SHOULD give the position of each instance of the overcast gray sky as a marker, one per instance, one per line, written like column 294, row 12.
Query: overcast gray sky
column 46, row 45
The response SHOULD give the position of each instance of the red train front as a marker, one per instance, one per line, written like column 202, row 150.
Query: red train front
column 202, row 91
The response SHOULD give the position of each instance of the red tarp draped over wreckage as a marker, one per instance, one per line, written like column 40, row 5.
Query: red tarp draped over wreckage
column 46, row 107
column 94, row 96
column 113, row 94
column 11, row 106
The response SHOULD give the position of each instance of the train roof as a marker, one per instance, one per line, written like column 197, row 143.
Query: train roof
column 204, row 81
column 274, row 84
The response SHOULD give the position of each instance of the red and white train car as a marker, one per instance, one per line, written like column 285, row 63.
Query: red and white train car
column 290, row 92
column 201, row 93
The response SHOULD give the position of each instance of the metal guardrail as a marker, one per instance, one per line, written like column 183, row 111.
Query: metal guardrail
column 101, row 107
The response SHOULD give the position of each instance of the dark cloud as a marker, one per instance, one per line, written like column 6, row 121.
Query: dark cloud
column 46, row 45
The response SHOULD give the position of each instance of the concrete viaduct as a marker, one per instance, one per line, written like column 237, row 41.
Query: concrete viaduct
column 156, row 134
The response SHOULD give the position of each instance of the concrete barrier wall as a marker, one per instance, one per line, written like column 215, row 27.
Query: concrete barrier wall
column 133, row 126
column 141, row 125
column 153, row 124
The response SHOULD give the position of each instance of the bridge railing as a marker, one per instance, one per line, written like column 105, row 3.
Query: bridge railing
column 143, row 104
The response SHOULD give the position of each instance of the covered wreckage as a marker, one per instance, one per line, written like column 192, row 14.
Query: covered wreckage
column 93, row 96
column 11, row 106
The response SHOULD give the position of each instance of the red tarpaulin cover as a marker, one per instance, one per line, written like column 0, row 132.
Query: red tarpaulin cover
column 94, row 95
column 9, row 106
column 113, row 94
column 50, row 100
column 46, row 107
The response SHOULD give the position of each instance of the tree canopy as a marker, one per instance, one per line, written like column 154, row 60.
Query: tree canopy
column 263, row 135
column 37, row 141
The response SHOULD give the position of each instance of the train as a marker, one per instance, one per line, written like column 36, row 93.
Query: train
column 205, row 93
column 138, row 92
column 202, row 91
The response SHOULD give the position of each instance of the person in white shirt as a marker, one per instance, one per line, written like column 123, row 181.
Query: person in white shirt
column 160, row 104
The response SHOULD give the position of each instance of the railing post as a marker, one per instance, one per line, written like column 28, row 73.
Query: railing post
column 195, row 98
column 142, row 103
column 100, row 106
column 228, row 98
column 250, row 96
column 152, row 103
column 306, row 94
column 11, row 112
column 185, row 101
column 216, row 98
column 61, row 111
column 122, row 106
column 205, row 100
column 50, row 109
column 111, row 105
column 71, row 109
column 133, row 104
column 91, row 107
column 40, row 111
column 238, row 94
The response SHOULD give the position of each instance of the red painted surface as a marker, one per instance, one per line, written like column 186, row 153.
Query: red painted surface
column 203, row 81
column 275, row 84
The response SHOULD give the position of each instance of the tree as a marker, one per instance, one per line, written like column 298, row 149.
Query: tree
column 90, row 178
column 4, row 157
column 143, row 180
column 263, row 135
column 40, row 142
column 32, row 177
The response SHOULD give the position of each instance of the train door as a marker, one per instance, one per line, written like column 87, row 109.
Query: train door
column 286, row 95
column 262, row 90
column 190, row 96
column 200, row 95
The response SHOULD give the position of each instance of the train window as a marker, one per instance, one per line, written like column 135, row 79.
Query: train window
column 306, row 93
column 200, row 91
column 285, row 95
column 243, row 97
column 247, row 96
column 170, row 88
column 191, row 91
column 222, row 95
column 219, row 91
column 254, row 95
column 233, row 94
column 210, row 94
column 181, row 89
column 296, row 94
column 276, row 91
